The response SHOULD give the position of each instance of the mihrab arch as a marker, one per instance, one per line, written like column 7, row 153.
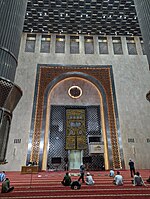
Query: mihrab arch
column 101, row 78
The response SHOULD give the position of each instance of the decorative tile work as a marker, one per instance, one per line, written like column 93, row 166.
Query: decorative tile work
column 102, row 76
column 75, row 129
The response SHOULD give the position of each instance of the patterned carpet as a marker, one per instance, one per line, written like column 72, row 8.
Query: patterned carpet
column 47, row 185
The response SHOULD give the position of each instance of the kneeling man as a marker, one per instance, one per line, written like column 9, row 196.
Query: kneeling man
column 118, row 179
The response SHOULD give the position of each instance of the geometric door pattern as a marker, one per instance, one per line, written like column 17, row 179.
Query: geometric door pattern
column 57, row 134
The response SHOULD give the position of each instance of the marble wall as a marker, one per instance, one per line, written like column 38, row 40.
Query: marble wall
column 132, row 82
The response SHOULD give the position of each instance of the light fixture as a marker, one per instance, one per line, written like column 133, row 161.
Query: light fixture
column 148, row 96
column 75, row 92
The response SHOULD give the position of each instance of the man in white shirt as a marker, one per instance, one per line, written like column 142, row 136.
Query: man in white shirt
column 118, row 179
column 89, row 179
column 2, row 176
column 111, row 173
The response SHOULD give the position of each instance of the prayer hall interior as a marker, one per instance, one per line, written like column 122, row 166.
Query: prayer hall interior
column 74, row 84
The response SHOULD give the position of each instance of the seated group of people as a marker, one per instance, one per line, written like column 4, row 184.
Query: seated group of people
column 5, row 183
column 67, row 182
column 118, row 179
column 76, row 184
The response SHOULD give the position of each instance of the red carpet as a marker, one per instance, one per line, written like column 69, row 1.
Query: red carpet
column 47, row 185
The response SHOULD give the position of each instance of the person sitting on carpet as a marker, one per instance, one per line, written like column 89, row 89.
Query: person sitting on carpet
column 138, row 181
column 75, row 185
column 89, row 180
column 66, row 180
column 118, row 179
column 6, row 186
column 111, row 173
column 2, row 176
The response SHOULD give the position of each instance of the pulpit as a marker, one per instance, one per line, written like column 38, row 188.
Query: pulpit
column 29, row 169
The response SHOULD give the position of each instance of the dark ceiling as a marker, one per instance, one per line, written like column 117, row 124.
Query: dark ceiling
column 96, row 17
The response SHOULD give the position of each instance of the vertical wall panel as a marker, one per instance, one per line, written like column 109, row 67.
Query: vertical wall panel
column 11, row 23
column 143, row 12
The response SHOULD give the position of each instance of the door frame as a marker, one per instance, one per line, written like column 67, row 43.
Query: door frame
column 80, row 161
